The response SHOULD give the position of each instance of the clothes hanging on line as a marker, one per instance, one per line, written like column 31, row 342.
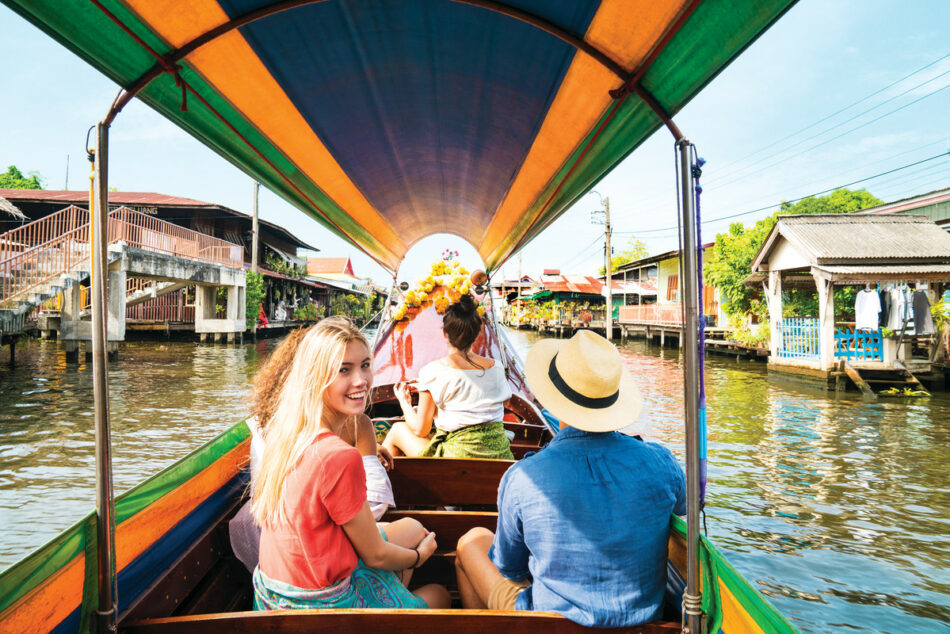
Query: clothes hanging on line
column 867, row 307
column 899, row 309
column 884, row 297
column 923, row 320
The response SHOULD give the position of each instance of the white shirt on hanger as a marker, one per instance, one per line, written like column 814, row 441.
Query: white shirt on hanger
column 867, row 307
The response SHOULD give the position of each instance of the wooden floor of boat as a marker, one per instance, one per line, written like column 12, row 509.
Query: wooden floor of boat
column 208, row 590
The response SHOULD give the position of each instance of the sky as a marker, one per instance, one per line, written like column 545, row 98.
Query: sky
column 836, row 92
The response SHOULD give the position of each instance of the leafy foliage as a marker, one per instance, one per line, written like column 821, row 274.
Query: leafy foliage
column 13, row 178
column 729, row 261
column 308, row 312
column 254, row 293
column 359, row 308
column 635, row 250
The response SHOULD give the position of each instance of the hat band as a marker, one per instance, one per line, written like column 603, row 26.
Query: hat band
column 576, row 397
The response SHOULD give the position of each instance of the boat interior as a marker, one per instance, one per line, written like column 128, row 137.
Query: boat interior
column 208, row 590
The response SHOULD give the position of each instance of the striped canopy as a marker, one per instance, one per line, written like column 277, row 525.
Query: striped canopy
column 390, row 120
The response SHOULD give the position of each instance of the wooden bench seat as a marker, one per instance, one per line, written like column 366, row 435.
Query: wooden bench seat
column 382, row 621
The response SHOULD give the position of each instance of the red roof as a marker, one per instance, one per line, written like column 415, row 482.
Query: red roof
column 572, row 284
column 316, row 266
column 116, row 198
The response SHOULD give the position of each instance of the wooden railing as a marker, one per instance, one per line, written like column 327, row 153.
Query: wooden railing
column 147, row 232
column 29, row 264
column 41, row 231
column 652, row 314
column 25, row 271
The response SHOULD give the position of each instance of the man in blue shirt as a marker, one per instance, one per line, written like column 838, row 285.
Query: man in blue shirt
column 583, row 525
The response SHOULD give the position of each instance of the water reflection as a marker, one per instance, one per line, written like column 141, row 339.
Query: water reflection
column 165, row 400
column 836, row 508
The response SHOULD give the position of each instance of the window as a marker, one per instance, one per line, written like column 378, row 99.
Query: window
column 673, row 288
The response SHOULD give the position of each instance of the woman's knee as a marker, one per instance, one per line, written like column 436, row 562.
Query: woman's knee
column 476, row 541
column 435, row 596
column 411, row 529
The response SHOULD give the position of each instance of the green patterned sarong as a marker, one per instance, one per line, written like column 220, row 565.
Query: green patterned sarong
column 365, row 587
column 487, row 440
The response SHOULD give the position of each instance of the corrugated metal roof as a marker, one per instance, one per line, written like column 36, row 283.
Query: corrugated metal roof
column 80, row 198
column 866, row 239
column 913, row 202
column 572, row 284
column 906, row 271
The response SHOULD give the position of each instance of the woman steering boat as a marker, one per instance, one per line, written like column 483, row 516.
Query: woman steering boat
column 386, row 122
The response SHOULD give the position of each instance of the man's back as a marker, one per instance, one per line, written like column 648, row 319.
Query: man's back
column 593, row 510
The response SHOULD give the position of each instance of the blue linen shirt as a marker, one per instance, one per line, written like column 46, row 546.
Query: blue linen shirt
column 588, row 518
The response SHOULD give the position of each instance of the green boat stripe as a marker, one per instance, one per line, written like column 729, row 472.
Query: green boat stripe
column 36, row 568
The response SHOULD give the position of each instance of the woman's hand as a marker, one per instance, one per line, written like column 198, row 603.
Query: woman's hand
column 426, row 547
column 385, row 457
column 403, row 394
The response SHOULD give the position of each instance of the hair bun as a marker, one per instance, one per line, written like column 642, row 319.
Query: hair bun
column 467, row 303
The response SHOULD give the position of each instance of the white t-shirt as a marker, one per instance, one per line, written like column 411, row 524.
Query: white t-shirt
column 867, row 307
column 465, row 397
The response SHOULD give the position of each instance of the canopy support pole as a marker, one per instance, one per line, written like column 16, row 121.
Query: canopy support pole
column 105, row 504
column 692, row 599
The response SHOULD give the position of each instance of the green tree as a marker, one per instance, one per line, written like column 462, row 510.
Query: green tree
column 254, row 294
column 13, row 178
column 635, row 250
column 729, row 261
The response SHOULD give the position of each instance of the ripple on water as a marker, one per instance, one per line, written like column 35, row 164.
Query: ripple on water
column 836, row 509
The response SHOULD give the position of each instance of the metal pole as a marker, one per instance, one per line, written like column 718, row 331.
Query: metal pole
column 692, row 597
column 105, row 507
column 254, row 229
column 609, row 313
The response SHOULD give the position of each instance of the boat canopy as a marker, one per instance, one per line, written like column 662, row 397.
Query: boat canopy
column 391, row 121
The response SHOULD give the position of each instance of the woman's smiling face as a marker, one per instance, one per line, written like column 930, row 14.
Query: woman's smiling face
column 347, row 394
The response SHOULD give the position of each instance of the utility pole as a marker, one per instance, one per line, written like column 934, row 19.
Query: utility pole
column 609, row 313
column 254, row 229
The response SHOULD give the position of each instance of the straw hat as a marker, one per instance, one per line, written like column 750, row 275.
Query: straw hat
column 582, row 381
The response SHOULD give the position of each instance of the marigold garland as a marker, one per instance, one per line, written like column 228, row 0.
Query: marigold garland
column 445, row 284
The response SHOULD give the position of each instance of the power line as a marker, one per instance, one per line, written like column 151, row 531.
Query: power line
column 794, row 200
column 837, row 112
column 834, row 138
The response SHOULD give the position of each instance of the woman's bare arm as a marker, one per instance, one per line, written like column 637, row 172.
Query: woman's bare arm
column 419, row 418
column 377, row 552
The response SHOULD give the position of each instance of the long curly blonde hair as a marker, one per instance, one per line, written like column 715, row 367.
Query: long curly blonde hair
column 300, row 409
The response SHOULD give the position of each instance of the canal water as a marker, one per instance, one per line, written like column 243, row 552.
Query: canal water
column 837, row 509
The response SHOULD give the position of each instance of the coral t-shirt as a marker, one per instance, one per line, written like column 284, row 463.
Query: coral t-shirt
column 325, row 490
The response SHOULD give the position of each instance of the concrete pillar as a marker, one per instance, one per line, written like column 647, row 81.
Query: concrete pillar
column 773, row 293
column 115, row 330
column 112, row 350
column 72, row 350
column 204, row 307
column 826, row 322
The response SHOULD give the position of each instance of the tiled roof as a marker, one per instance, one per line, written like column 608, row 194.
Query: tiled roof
column 322, row 266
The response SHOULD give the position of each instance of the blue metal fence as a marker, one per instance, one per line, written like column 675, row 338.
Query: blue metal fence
column 799, row 338
column 862, row 346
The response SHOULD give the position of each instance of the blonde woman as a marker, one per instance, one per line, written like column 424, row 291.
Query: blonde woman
column 320, row 546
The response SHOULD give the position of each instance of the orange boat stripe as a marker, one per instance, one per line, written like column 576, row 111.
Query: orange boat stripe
column 735, row 618
column 135, row 535
column 254, row 92
column 625, row 30
column 47, row 605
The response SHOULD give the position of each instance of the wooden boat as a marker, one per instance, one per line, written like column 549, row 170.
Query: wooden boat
column 386, row 122
column 177, row 573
